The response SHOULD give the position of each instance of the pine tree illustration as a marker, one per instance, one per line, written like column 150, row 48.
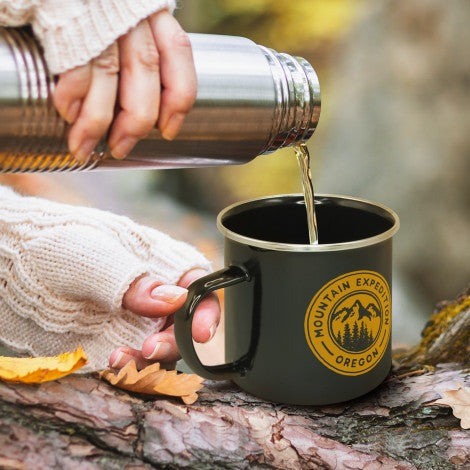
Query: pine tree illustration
column 347, row 336
column 338, row 338
column 355, row 337
column 363, row 336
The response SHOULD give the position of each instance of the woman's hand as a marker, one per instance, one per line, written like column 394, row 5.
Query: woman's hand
column 149, row 298
column 147, row 74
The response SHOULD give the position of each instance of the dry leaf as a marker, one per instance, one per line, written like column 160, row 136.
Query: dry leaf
column 155, row 381
column 459, row 401
column 41, row 369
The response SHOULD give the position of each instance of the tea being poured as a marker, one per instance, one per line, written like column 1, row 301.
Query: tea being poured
column 303, row 157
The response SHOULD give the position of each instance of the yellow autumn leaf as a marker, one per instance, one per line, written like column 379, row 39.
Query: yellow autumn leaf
column 41, row 369
column 155, row 381
column 459, row 401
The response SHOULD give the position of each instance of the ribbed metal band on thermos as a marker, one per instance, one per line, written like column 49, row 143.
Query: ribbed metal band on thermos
column 251, row 100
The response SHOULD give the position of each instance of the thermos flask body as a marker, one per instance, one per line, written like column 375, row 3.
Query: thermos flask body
column 251, row 100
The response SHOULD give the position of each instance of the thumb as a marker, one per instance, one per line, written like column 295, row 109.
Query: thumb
column 147, row 296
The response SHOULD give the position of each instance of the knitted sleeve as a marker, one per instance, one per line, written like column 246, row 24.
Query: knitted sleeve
column 73, row 32
column 16, row 12
column 64, row 271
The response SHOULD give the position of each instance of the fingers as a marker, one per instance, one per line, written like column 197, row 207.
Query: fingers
column 161, row 346
column 178, row 75
column 71, row 90
column 156, row 53
column 207, row 315
column 139, row 90
column 148, row 297
column 121, row 356
column 97, row 109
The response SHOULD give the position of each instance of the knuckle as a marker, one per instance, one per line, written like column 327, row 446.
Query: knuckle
column 77, row 75
column 148, row 56
column 181, row 39
column 108, row 60
column 185, row 99
column 177, row 39
column 97, row 123
column 73, row 82
column 142, row 124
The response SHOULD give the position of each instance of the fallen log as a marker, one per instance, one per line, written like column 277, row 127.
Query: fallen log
column 83, row 422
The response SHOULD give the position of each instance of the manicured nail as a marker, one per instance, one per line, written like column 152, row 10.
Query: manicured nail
column 83, row 152
column 212, row 331
column 173, row 125
column 123, row 147
column 160, row 350
column 168, row 293
column 116, row 360
column 72, row 112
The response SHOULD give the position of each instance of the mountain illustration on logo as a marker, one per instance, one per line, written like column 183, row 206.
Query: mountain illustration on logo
column 354, row 326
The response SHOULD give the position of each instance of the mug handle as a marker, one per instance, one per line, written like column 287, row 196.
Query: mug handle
column 226, row 277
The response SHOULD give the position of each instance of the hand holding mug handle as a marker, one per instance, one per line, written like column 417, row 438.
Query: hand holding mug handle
column 199, row 289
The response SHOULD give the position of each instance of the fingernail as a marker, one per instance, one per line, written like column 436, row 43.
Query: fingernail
column 123, row 147
column 114, row 362
column 168, row 293
column 212, row 331
column 173, row 125
column 72, row 112
column 83, row 152
column 160, row 350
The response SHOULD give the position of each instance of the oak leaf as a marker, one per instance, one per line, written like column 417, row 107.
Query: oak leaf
column 41, row 369
column 459, row 401
column 155, row 381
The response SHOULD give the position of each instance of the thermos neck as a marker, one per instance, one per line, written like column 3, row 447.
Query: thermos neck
column 298, row 99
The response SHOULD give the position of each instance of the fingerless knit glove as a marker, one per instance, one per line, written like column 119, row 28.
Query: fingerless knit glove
column 64, row 271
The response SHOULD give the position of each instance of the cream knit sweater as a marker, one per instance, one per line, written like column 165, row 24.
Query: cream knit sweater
column 64, row 271
column 74, row 31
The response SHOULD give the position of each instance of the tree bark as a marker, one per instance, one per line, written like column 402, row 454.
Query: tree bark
column 83, row 422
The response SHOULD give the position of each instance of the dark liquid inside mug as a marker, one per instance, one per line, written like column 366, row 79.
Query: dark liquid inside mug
column 284, row 221
column 304, row 324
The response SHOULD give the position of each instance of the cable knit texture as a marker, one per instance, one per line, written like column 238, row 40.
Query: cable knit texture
column 72, row 32
column 64, row 271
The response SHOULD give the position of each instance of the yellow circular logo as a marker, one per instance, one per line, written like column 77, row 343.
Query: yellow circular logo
column 348, row 322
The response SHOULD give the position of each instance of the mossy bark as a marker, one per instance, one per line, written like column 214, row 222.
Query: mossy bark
column 446, row 336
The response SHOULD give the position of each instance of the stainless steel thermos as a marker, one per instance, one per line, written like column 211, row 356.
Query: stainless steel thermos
column 251, row 100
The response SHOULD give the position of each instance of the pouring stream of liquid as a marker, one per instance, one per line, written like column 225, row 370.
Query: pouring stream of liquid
column 303, row 157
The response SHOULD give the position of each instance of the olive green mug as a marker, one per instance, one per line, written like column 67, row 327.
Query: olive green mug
column 304, row 324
